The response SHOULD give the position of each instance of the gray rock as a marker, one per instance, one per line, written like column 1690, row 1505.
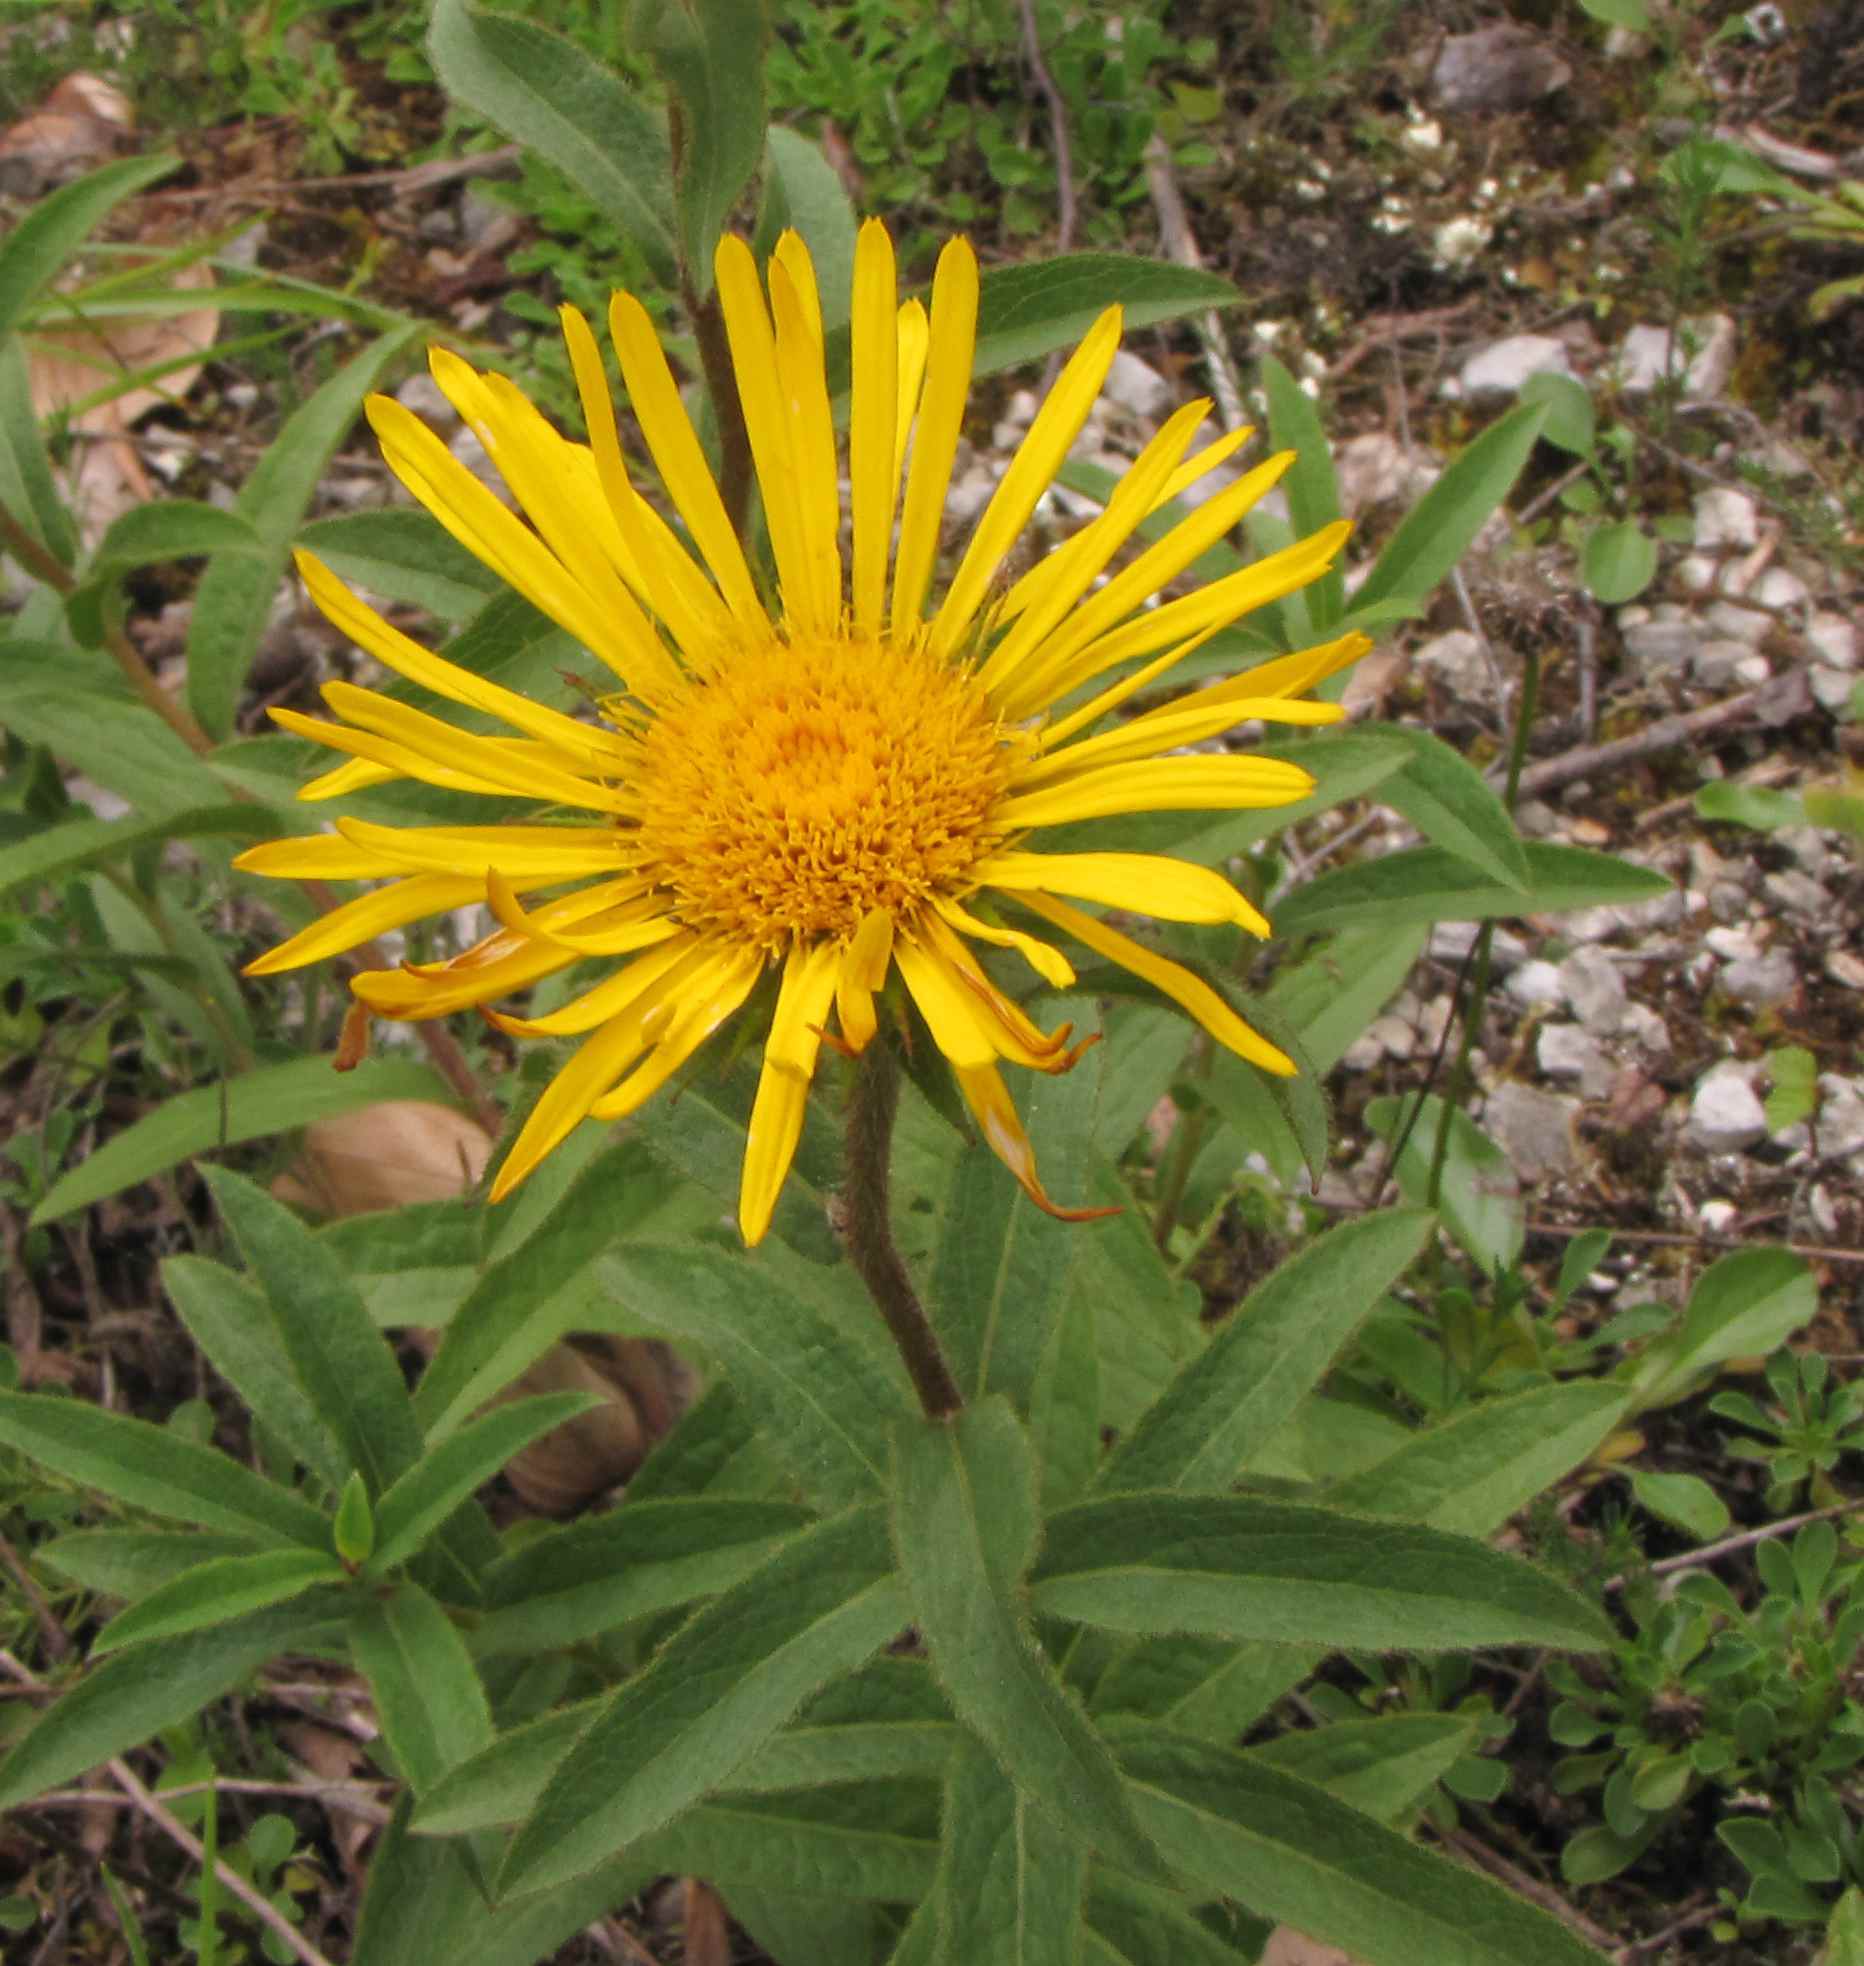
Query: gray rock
column 1781, row 587
column 1666, row 641
column 422, row 395
column 1725, row 1113
column 1730, row 621
column 1458, row 661
column 1717, row 664
column 1753, row 670
column 1534, row 1129
column 1137, row 387
column 1395, row 1036
column 1726, row 520
column 1648, row 354
column 1834, row 640
column 1378, row 470
column 1499, row 67
column 1797, row 893
column 1564, row 1051
column 1590, row 982
column 1840, row 1118
column 1451, row 942
column 469, row 451
column 1763, row 979
column 1647, row 1030
column 1832, row 689
column 1501, row 368
column 1535, row 985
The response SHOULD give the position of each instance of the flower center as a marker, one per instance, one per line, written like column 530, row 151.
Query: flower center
column 805, row 783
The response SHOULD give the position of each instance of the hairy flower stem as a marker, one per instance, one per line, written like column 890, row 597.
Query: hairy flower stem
column 1458, row 1086
column 868, row 1228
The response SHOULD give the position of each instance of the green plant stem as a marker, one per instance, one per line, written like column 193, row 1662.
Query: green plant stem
column 734, row 440
column 867, row 1226
column 1457, row 1086
column 45, row 567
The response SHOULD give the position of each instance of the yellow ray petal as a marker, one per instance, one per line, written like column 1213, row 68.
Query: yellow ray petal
column 316, row 857
column 396, row 760
column 1202, row 463
column 952, row 1014
column 995, row 1113
column 1057, row 423
column 639, row 985
column 873, row 419
column 915, row 333
column 357, row 775
column 1013, row 1035
column 1144, row 883
column 1158, row 785
column 553, row 853
column 861, row 975
column 590, row 1072
column 1178, row 983
column 366, row 628
column 422, row 736
column 1169, row 729
column 1136, row 583
column 366, row 917
column 1215, row 606
column 706, row 1000
column 674, row 447
column 1051, row 589
column 812, row 437
column 476, row 518
column 953, row 337
column 1048, row 963
column 792, row 254
column 1287, row 675
column 803, row 999
column 767, row 424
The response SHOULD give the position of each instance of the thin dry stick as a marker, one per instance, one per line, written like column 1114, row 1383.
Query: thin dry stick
column 57, row 1639
column 1784, row 697
column 1176, row 237
column 350, row 1798
column 255, row 1901
column 1058, row 123
column 1732, row 1545
column 1817, row 1252
column 1476, row 1852
column 145, row 1804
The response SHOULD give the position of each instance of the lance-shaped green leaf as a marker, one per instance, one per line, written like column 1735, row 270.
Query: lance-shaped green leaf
column 1312, row 490
column 1744, row 1305
column 27, row 487
column 153, row 1469
column 1273, row 1351
column 130, row 1563
column 1296, row 1856
column 503, row 1780
column 1384, row 1767
column 965, row 1521
column 1002, row 1270
column 1428, row 884
column 710, row 53
column 72, row 844
column 1480, row 1192
column 513, row 1312
column 236, row 592
column 1450, row 802
column 342, row 1360
column 573, row 1582
column 1440, row 526
column 825, row 1398
column 718, row 1689
column 1131, row 1924
column 1025, row 312
column 875, row 1841
column 564, row 105
column 233, row 1324
column 217, row 1592
column 35, row 252
column 1238, row 1566
column 415, row 1505
column 424, row 1900
column 804, row 190
column 825, row 1931
column 135, row 1695
column 407, row 556
column 1010, row 1879
column 1472, row 1472
column 269, row 1099
column 428, row 1698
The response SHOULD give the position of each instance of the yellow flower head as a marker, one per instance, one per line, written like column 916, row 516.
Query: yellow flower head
column 829, row 785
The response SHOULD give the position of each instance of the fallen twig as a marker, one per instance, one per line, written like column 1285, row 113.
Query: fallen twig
column 1176, row 237
column 1058, row 123
column 1477, row 1853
